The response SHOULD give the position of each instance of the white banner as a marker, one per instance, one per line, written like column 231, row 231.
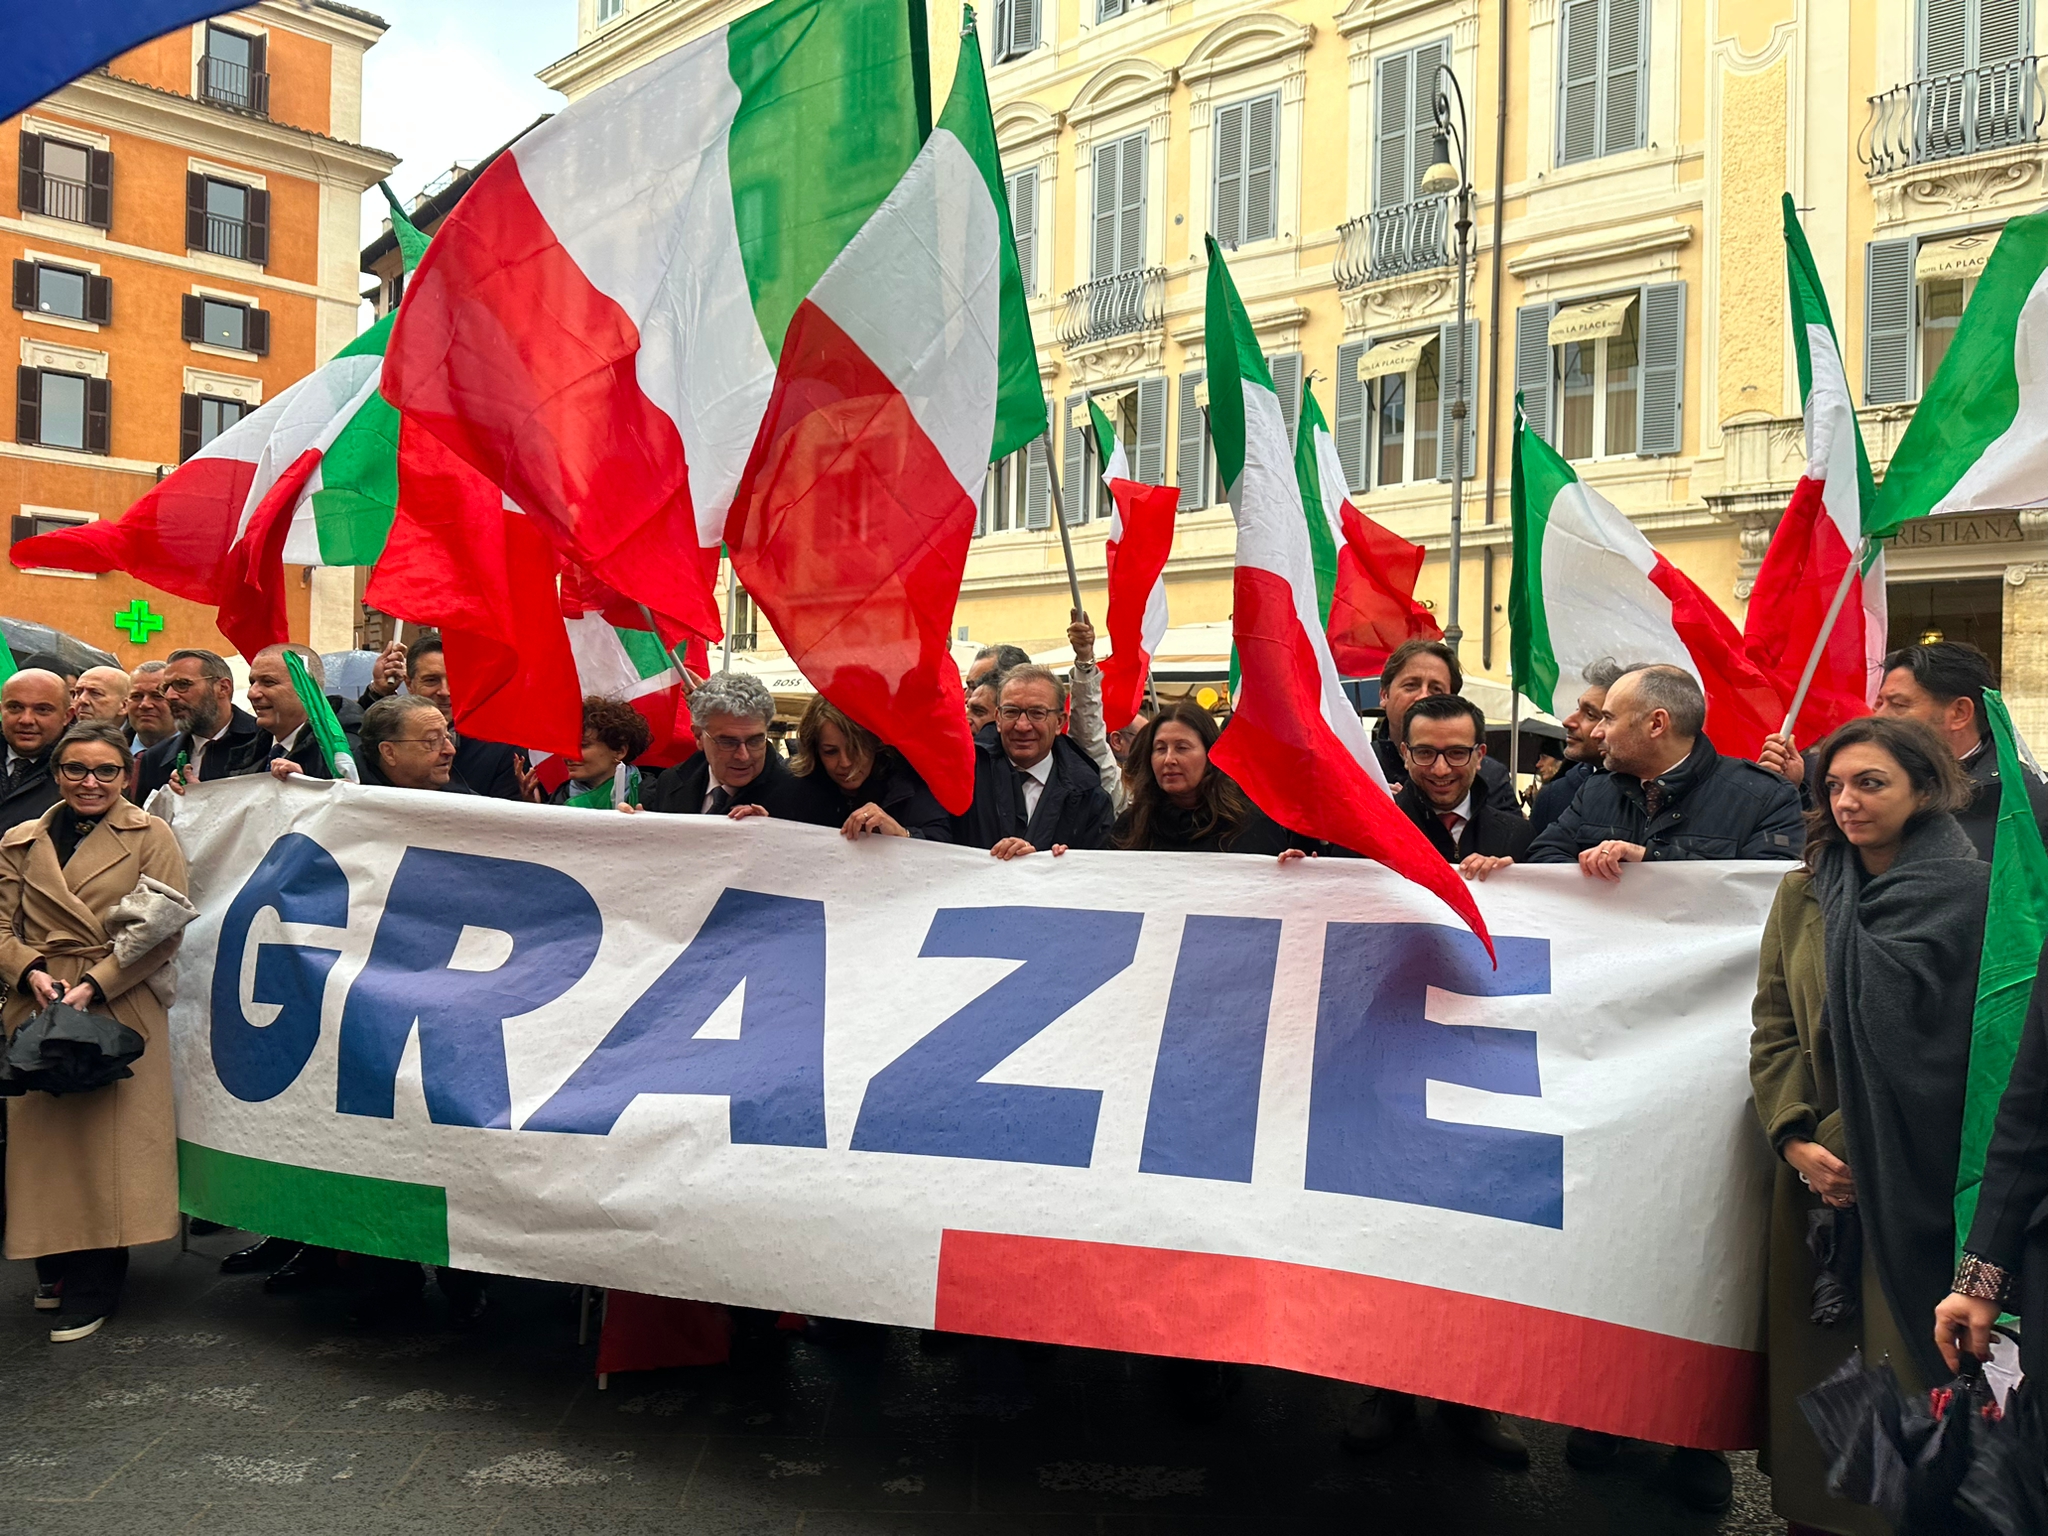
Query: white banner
column 1182, row 1104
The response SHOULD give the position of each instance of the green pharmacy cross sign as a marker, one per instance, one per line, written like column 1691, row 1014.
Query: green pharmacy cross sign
column 137, row 619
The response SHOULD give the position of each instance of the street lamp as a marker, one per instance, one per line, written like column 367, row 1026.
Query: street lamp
column 1445, row 177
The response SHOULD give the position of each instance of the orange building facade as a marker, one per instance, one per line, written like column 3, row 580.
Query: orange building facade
column 183, row 244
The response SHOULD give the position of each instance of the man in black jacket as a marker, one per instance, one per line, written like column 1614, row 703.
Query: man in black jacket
column 1033, row 788
column 1443, row 747
column 275, row 703
column 1667, row 794
column 32, row 716
column 1421, row 669
column 218, row 740
column 735, row 764
column 487, row 768
column 1582, row 754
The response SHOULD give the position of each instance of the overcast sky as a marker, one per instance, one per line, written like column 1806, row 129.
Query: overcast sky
column 454, row 79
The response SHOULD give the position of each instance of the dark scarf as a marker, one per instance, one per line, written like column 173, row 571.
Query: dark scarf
column 1902, row 952
column 68, row 829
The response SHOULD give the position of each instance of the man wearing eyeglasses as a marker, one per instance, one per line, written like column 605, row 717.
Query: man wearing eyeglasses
column 1443, row 745
column 735, row 767
column 33, row 713
column 1034, row 789
column 149, row 712
column 407, row 744
column 218, row 740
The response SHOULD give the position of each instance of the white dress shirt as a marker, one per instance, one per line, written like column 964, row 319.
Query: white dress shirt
column 1036, row 777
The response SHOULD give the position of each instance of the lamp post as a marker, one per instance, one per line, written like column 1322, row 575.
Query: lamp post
column 1444, row 177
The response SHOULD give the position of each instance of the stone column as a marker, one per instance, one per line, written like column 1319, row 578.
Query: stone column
column 2023, row 669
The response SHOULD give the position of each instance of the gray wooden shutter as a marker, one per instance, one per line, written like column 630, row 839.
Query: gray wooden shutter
column 1393, row 152
column 1533, row 367
column 1624, row 65
column 1261, row 166
column 256, row 332
column 191, row 317
column 2001, row 32
column 1422, row 109
column 1578, row 101
column 1074, row 463
column 1109, row 10
column 99, row 189
column 1023, row 36
column 1131, row 211
column 1191, row 447
column 28, row 405
column 1150, row 464
column 1107, row 181
column 1944, row 37
column 1660, row 396
column 99, row 300
column 1888, row 322
column 1037, row 485
column 999, row 34
column 1022, row 187
column 195, row 211
column 1286, row 369
column 1227, row 132
column 1349, row 429
column 257, row 244
column 1460, row 355
column 99, row 431
column 188, row 426
column 31, row 179
column 25, row 285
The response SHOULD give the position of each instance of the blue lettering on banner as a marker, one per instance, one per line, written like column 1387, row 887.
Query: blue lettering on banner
column 555, row 929
column 931, row 1099
column 302, row 882
column 1369, row 1131
column 1204, row 1115
column 772, row 1076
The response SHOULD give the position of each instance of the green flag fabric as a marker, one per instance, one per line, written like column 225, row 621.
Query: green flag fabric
column 320, row 716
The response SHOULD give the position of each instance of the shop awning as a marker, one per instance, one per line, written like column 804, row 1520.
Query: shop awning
column 1594, row 320
column 1951, row 260
column 1385, row 357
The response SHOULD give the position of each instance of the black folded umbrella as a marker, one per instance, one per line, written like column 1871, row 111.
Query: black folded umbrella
column 66, row 1050
column 1835, row 1239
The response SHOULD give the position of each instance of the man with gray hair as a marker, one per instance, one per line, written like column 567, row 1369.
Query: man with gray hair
column 1667, row 794
column 1582, row 754
column 1034, row 789
column 275, row 703
column 217, row 740
column 735, row 765
column 149, row 712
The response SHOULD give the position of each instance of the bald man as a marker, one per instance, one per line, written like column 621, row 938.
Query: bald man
column 34, row 710
column 101, row 693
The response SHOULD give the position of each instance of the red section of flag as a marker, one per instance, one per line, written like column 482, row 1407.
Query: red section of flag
column 1148, row 514
column 252, row 613
column 1373, row 609
column 851, row 532
column 1743, row 704
column 175, row 537
column 1502, row 1355
column 1801, row 572
column 657, row 1333
column 485, row 577
column 506, row 352
column 1283, row 753
column 668, row 718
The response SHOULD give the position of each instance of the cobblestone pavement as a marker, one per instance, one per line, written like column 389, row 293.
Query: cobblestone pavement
column 207, row 1406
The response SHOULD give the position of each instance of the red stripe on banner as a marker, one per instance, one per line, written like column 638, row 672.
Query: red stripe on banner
column 1373, row 609
column 1148, row 514
column 851, row 533
column 1502, row 1355
column 509, row 354
column 1794, row 587
column 1743, row 704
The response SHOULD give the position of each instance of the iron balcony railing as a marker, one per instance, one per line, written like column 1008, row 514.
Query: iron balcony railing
column 64, row 199
column 1118, row 305
column 234, row 85
column 1944, row 116
column 1388, row 242
column 226, row 237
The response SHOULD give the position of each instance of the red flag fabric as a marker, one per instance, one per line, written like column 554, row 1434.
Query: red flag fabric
column 1797, row 582
column 1137, row 551
column 1373, row 609
column 1744, row 705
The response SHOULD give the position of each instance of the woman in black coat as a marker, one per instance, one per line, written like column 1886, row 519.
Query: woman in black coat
column 1179, row 803
column 855, row 783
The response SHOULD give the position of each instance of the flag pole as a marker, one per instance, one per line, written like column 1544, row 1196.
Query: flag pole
column 1827, row 628
column 1514, row 734
column 1059, row 517
column 731, row 589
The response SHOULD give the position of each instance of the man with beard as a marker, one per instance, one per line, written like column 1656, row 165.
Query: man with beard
column 1583, row 754
column 217, row 740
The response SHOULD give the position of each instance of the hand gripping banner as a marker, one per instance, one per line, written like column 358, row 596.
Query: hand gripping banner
column 1173, row 1103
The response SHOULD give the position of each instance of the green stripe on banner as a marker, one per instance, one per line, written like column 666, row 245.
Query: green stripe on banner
column 1529, row 499
column 310, row 1205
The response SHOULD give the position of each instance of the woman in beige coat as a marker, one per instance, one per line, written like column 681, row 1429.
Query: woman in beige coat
column 88, row 1174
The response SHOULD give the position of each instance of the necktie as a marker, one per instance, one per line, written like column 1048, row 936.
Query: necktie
column 721, row 800
column 276, row 751
column 1023, row 805
column 1654, row 796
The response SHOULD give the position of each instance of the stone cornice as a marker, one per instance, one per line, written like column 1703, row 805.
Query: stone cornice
column 330, row 24
column 632, row 41
column 1245, row 42
column 1594, row 246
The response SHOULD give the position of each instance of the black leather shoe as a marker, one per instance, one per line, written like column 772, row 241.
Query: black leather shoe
column 1591, row 1451
column 1487, row 1435
column 309, row 1269
column 1378, row 1421
column 261, row 1257
column 1700, row 1479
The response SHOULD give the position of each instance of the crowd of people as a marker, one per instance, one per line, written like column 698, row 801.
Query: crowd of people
column 1862, row 1020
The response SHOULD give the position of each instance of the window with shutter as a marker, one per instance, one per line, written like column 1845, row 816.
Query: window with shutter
column 1150, row 465
column 31, row 178
column 62, row 398
column 1459, row 367
column 1022, row 189
column 1533, row 368
column 28, row 405
column 1076, row 488
column 1425, row 60
column 1261, row 166
column 256, row 332
column 1131, row 225
column 1624, row 73
column 1119, row 243
column 1191, row 447
column 1349, row 428
column 1888, row 322
column 191, row 317
column 25, row 285
column 1016, row 28
column 58, row 291
column 65, row 180
column 1393, row 152
column 259, row 227
column 99, row 433
column 1661, row 398
column 1286, row 371
column 1037, row 484
column 1105, row 243
column 99, row 299
column 1226, row 220
column 1109, row 10
column 1578, row 109
column 99, row 189
column 188, row 426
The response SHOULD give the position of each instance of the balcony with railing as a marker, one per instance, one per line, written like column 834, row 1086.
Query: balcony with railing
column 1394, row 241
column 64, row 199
column 227, row 237
column 229, row 84
column 1123, row 304
column 1996, row 106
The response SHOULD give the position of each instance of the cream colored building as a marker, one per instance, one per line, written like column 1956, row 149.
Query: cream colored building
column 1627, row 269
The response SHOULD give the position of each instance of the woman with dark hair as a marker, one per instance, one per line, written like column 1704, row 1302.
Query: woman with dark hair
column 859, row 785
column 614, row 733
column 1179, row 803
column 1865, row 989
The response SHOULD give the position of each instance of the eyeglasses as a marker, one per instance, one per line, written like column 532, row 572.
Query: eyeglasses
column 1424, row 757
column 738, row 744
column 78, row 773
column 1037, row 714
column 180, row 685
column 433, row 743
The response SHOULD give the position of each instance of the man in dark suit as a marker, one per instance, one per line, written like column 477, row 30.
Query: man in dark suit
column 33, row 714
column 735, row 768
column 275, row 703
column 1443, row 745
column 218, row 740
column 1034, row 789
column 1422, row 669
column 484, row 767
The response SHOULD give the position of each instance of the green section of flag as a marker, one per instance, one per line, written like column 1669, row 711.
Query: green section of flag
column 643, row 649
column 357, row 498
column 1308, row 473
column 1234, row 360
column 412, row 244
column 8, row 665
column 2015, row 928
column 1539, row 475
column 1105, row 433
column 341, row 763
column 1810, row 308
column 599, row 796
column 1020, row 398
column 827, row 124
column 310, row 1205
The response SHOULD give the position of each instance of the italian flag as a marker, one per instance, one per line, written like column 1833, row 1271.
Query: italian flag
column 597, row 326
column 1979, row 440
column 1140, row 541
column 1365, row 575
column 908, row 367
column 1588, row 586
column 1294, row 743
column 1826, row 538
